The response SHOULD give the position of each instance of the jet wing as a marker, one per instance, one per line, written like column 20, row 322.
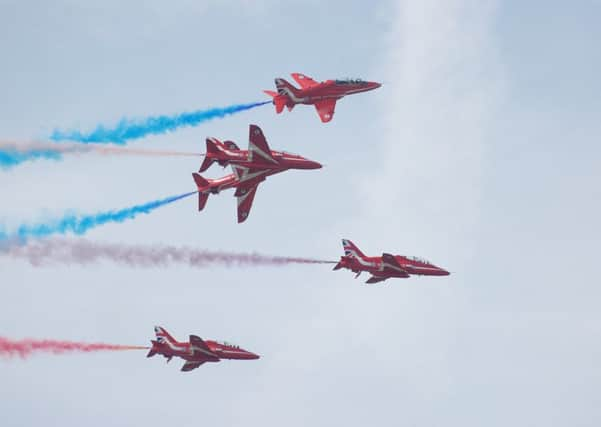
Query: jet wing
column 190, row 365
column 391, row 266
column 258, row 149
column 200, row 348
column 248, row 176
column 304, row 81
column 325, row 109
column 245, row 195
column 374, row 279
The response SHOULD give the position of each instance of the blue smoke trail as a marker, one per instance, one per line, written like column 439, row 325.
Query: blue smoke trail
column 80, row 224
column 10, row 157
column 128, row 129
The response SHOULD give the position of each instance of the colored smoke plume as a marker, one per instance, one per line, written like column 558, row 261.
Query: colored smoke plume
column 128, row 129
column 83, row 252
column 27, row 347
column 80, row 224
column 13, row 153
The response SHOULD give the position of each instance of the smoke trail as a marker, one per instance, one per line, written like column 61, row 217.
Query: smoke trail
column 27, row 347
column 83, row 252
column 13, row 154
column 10, row 157
column 80, row 224
column 128, row 129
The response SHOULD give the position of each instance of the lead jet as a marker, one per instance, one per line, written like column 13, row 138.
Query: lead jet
column 386, row 266
column 323, row 95
column 196, row 351
column 250, row 168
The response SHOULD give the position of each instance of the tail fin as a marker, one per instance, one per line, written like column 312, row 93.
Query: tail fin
column 211, row 155
column 351, row 250
column 162, row 334
column 279, row 101
column 285, row 88
column 202, row 184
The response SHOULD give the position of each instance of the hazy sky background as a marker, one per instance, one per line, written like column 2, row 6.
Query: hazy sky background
column 480, row 152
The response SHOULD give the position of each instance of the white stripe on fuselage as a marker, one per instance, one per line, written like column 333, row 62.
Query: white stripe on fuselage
column 353, row 254
column 171, row 345
column 254, row 149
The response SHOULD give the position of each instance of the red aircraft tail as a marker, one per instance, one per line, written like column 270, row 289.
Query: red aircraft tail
column 153, row 349
column 285, row 88
column 202, row 184
column 162, row 334
column 212, row 155
column 278, row 100
column 351, row 250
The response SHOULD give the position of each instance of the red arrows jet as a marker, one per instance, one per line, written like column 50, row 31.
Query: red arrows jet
column 196, row 351
column 323, row 95
column 250, row 167
column 386, row 266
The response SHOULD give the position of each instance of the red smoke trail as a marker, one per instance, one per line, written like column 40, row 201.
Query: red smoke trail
column 80, row 251
column 27, row 347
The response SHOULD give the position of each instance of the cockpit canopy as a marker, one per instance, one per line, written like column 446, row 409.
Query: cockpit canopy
column 228, row 344
column 350, row 81
column 418, row 259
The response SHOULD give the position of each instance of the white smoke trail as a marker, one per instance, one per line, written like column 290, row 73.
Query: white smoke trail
column 84, row 252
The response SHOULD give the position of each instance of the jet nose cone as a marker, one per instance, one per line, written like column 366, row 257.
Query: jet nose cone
column 444, row 272
column 253, row 356
column 310, row 164
column 374, row 85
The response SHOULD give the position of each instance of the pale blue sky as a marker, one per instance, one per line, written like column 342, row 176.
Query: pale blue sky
column 480, row 153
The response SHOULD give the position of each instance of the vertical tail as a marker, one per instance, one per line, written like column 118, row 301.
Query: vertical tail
column 216, row 152
column 212, row 154
column 163, row 335
column 285, row 88
column 351, row 250
column 202, row 184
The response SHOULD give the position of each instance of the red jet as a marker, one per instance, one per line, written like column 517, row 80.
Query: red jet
column 196, row 351
column 250, row 167
column 386, row 266
column 323, row 95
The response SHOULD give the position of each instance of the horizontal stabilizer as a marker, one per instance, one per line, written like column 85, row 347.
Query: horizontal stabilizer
column 279, row 101
column 152, row 351
column 202, row 200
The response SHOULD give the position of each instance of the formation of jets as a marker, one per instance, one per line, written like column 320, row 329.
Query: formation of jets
column 250, row 168
column 323, row 95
